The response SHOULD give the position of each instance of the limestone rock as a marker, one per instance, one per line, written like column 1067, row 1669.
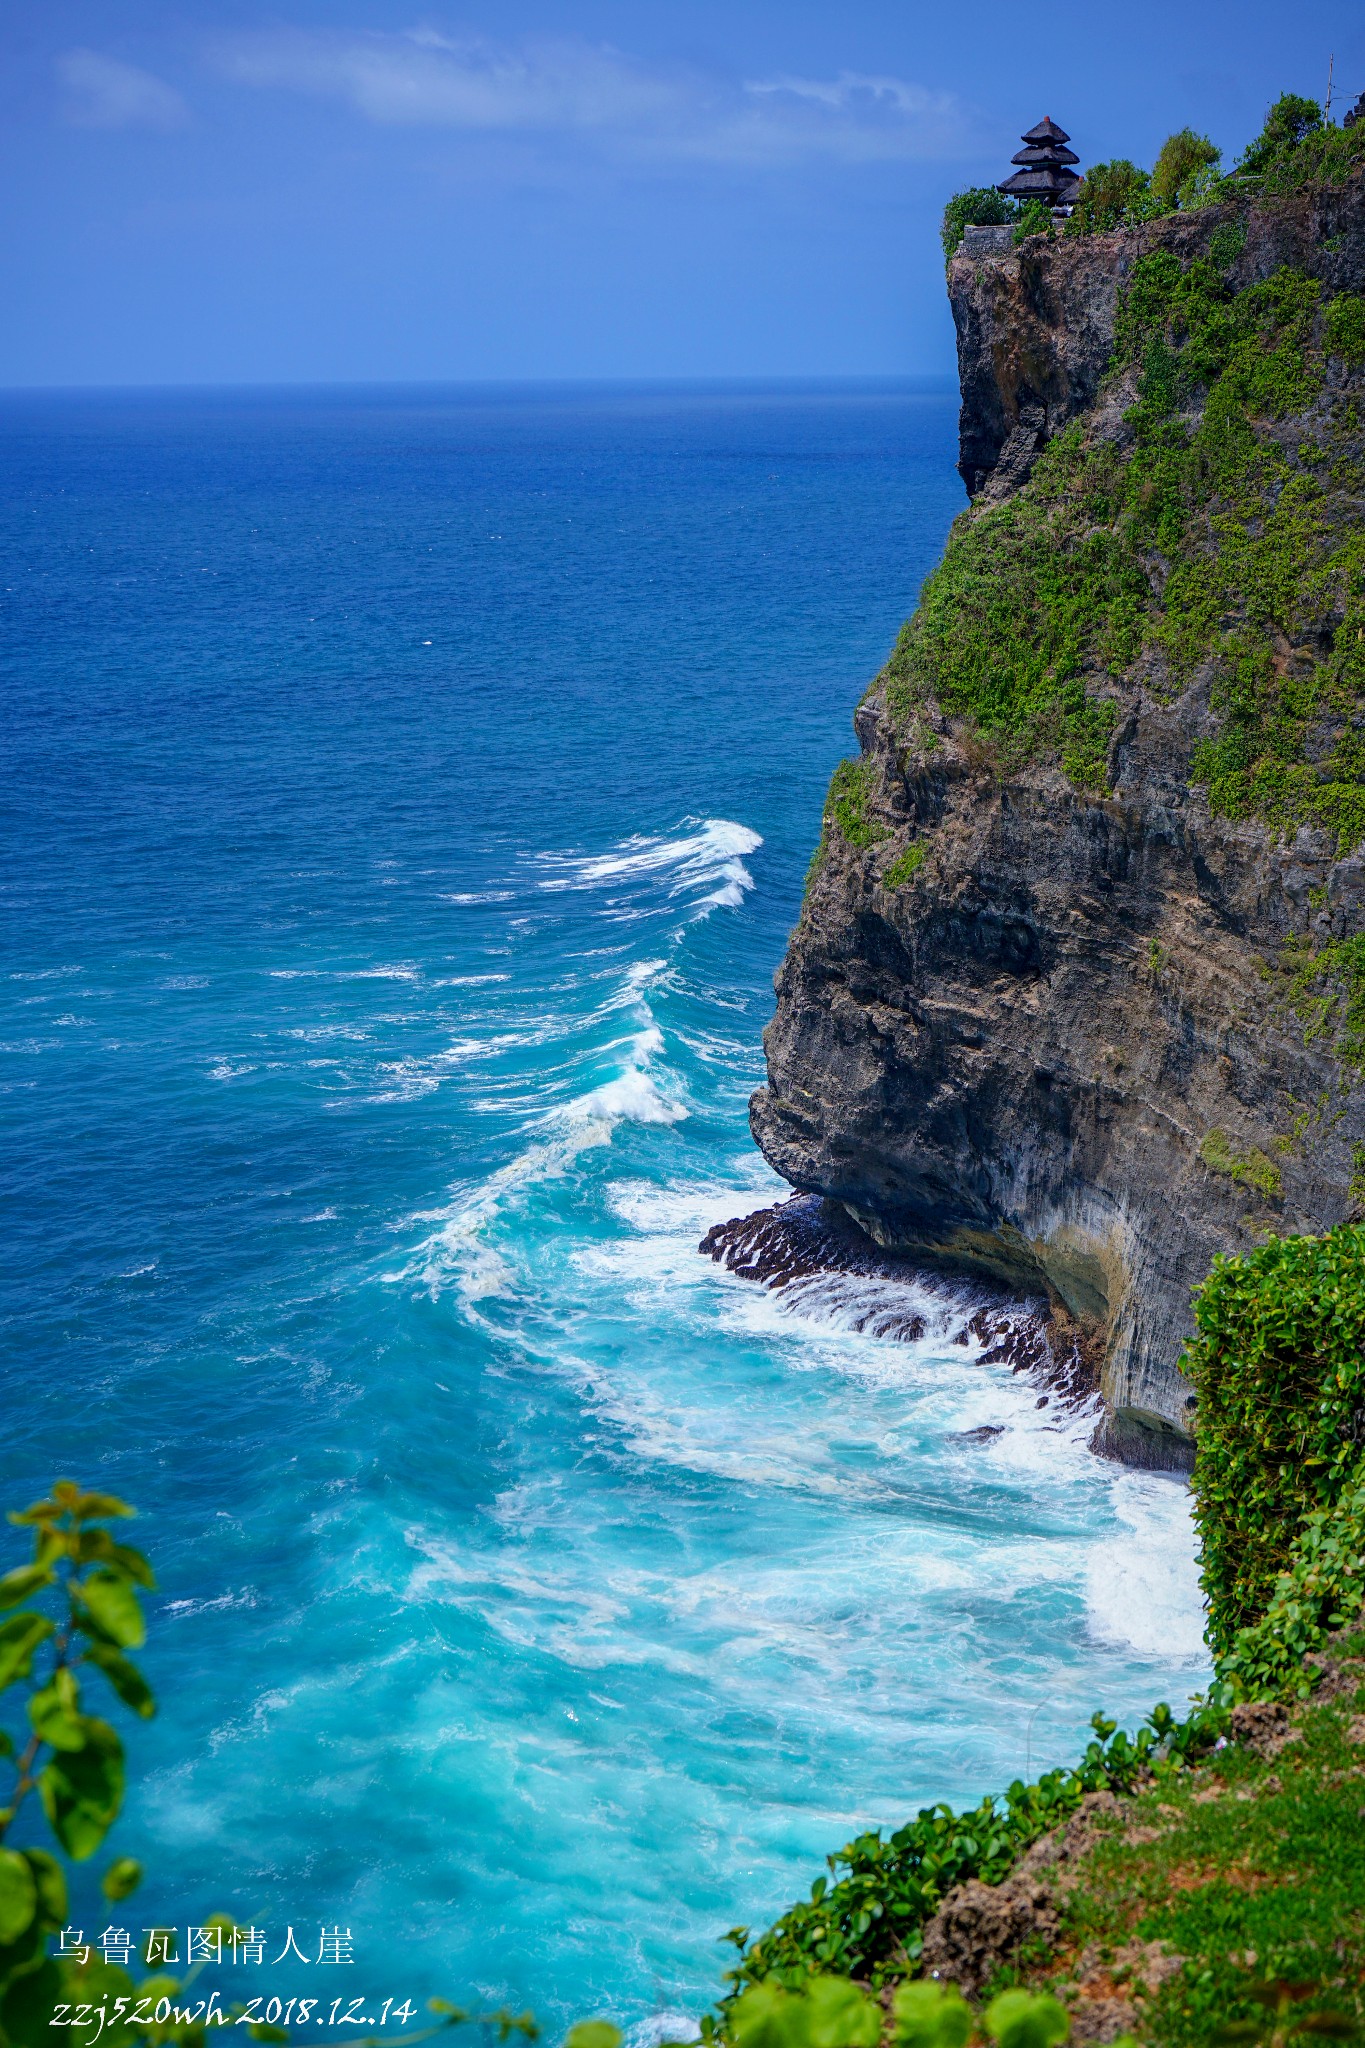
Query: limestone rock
column 1013, row 1061
column 979, row 1928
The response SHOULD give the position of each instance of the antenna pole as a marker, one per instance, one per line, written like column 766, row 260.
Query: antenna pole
column 1327, row 106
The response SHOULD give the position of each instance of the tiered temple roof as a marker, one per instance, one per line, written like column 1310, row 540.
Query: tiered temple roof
column 1046, row 172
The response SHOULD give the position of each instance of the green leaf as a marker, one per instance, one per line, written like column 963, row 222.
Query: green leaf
column 261, row 2030
column 18, row 1584
column 40, row 1512
column 17, row 1957
column 55, row 1713
column 121, row 1879
column 18, row 1895
column 99, row 1507
column 841, row 2015
column 766, row 2016
column 127, row 1681
column 97, row 1546
column 28, row 2005
column 930, row 2015
column 1028, row 2019
column 159, row 1986
column 95, row 1983
column 593, row 2034
column 83, row 1791
column 109, row 1598
column 19, row 1638
column 51, row 1886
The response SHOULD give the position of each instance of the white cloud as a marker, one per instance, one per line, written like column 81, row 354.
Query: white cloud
column 861, row 91
column 570, row 88
column 103, row 92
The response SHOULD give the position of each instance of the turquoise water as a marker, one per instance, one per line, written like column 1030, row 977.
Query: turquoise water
column 409, row 796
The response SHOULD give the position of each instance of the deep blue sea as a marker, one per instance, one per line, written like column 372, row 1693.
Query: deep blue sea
column 407, row 798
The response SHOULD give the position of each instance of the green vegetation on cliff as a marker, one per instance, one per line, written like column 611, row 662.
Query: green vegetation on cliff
column 1296, row 147
column 1278, row 1364
column 1207, row 534
column 979, row 206
column 868, row 1923
column 1216, row 530
column 1201, row 536
column 1197, row 1904
column 846, row 805
column 1225, row 1868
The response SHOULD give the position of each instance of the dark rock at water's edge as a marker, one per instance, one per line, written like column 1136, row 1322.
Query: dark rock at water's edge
column 804, row 1239
column 1044, row 1054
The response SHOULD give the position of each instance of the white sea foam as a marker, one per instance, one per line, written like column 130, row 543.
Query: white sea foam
column 633, row 1097
column 458, row 1252
column 707, row 864
column 639, row 1088
column 1142, row 1587
column 245, row 1597
column 1139, row 1587
column 667, row 2025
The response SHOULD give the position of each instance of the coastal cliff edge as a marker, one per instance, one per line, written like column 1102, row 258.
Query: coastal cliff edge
column 1074, row 1001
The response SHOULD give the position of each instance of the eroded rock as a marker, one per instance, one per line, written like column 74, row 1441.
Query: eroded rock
column 980, row 1927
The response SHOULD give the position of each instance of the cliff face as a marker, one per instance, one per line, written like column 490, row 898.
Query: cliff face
column 1084, row 1027
column 1035, row 326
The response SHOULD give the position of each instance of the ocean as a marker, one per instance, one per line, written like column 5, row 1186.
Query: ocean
column 408, row 797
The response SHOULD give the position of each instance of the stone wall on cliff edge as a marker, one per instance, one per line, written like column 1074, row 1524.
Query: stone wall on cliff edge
column 1018, row 1063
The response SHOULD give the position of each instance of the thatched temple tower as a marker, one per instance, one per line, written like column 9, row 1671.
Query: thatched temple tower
column 1046, row 172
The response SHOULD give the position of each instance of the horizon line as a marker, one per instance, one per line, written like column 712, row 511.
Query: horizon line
column 288, row 386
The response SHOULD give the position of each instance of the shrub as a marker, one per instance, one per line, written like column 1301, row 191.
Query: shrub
column 903, row 869
column 1226, row 243
column 1278, row 1364
column 1026, row 596
column 1344, row 327
column 850, row 787
column 1298, row 147
column 827, row 2012
column 867, row 1924
column 70, row 1758
column 1326, row 991
column 1109, row 195
column 1181, row 155
column 1323, row 1589
column 1288, row 122
column 1035, row 219
column 1027, row 2019
column 927, row 2014
column 833, row 2012
column 980, row 206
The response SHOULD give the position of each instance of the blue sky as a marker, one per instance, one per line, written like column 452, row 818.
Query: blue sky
column 282, row 190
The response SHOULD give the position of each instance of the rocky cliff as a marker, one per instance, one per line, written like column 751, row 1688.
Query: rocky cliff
column 1077, row 996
